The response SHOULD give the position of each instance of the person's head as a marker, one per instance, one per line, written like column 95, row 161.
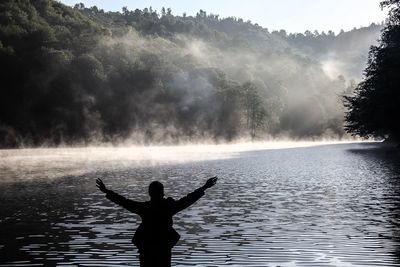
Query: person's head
column 156, row 190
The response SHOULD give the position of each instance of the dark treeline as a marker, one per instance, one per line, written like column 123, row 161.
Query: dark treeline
column 373, row 109
column 82, row 75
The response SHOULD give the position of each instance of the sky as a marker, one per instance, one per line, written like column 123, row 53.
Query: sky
column 291, row 15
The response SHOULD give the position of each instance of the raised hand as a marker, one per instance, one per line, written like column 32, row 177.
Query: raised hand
column 101, row 185
column 211, row 182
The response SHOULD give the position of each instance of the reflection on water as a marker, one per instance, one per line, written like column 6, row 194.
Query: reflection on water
column 331, row 205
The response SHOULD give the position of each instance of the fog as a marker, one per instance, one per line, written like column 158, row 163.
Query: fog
column 300, row 91
column 47, row 164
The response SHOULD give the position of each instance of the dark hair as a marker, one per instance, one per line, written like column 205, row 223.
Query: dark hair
column 156, row 189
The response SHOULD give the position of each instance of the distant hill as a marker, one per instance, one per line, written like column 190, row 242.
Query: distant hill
column 81, row 75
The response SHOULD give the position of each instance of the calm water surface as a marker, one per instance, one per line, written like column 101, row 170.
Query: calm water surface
column 328, row 205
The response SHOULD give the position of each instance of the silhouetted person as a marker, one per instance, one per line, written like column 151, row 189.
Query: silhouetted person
column 155, row 236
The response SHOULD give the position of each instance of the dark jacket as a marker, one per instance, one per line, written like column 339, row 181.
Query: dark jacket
column 156, row 228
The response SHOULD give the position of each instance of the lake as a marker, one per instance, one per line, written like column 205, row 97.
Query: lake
column 274, row 205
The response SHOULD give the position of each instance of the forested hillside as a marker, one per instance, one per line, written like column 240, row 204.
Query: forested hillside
column 81, row 75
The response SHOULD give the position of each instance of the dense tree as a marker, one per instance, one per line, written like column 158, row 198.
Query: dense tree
column 254, row 110
column 373, row 109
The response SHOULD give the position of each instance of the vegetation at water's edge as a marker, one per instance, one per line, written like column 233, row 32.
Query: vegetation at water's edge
column 373, row 111
column 83, row 75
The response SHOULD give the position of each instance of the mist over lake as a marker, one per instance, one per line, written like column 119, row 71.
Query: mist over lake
column 320, row 205
column 154, row 138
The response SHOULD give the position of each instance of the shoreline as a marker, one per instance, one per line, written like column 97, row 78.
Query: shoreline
column 268, row 144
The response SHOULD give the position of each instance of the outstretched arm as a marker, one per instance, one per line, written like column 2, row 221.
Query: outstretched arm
column 132, row 206
column 191, row 198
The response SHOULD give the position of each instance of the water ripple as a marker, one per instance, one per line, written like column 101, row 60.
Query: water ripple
column 318, row 206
